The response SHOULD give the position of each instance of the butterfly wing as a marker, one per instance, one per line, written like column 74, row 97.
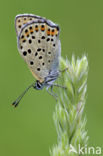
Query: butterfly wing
column 39, row 45
column 23, row 19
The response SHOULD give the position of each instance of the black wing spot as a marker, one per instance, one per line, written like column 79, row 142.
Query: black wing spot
column 31, row 32
column 29, row 51
column 43, row 50
column 26, row 30
column 43, row 37
column 21, row 47
column 39, row 49
column 24, row 53
column 40, row 57
column 31, row 62
column 38, row 69
column 30, row 41
column 58, row 28
column 30, row 28
column 19, row 26
column 53, row 45
column 52, row 39
column 43, row 63
column 49, row 52
column 33, row 37
column 48, row 39
column 22, row 36
column 36, row 54
column 39, row 41
column 53, row 30
column 24, row 18
column 24, row 41
column 18, row 20
column 42, row 26
column 48, row 61
column 36, row 26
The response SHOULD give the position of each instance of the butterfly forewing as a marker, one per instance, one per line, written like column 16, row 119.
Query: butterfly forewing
column 21, row 20
column 39, row 45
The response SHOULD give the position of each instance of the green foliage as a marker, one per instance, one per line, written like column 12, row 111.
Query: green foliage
column 68, row 115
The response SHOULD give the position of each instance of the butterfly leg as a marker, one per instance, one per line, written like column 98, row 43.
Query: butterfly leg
column 51, row 92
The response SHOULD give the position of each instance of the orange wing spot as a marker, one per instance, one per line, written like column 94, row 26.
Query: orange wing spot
column 56, row 32
column 36, row 29
column 53, row 32
column 31, row 31
column 48, row 32
column 42, row 27
column 27, row 33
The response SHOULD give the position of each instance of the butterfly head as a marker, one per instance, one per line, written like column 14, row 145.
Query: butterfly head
column 38, row 85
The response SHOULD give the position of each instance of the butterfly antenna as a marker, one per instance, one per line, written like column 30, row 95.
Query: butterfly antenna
column 16, row 102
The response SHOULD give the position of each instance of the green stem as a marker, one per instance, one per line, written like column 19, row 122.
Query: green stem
column 68, row 115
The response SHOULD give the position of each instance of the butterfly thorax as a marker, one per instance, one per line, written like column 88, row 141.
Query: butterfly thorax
column 48, row 82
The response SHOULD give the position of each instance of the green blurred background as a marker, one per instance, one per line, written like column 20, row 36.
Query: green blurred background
column 29, row 129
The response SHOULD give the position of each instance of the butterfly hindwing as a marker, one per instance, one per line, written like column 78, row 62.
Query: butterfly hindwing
column 39, row 45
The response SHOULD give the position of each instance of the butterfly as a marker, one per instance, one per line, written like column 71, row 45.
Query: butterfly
column 39, row 45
